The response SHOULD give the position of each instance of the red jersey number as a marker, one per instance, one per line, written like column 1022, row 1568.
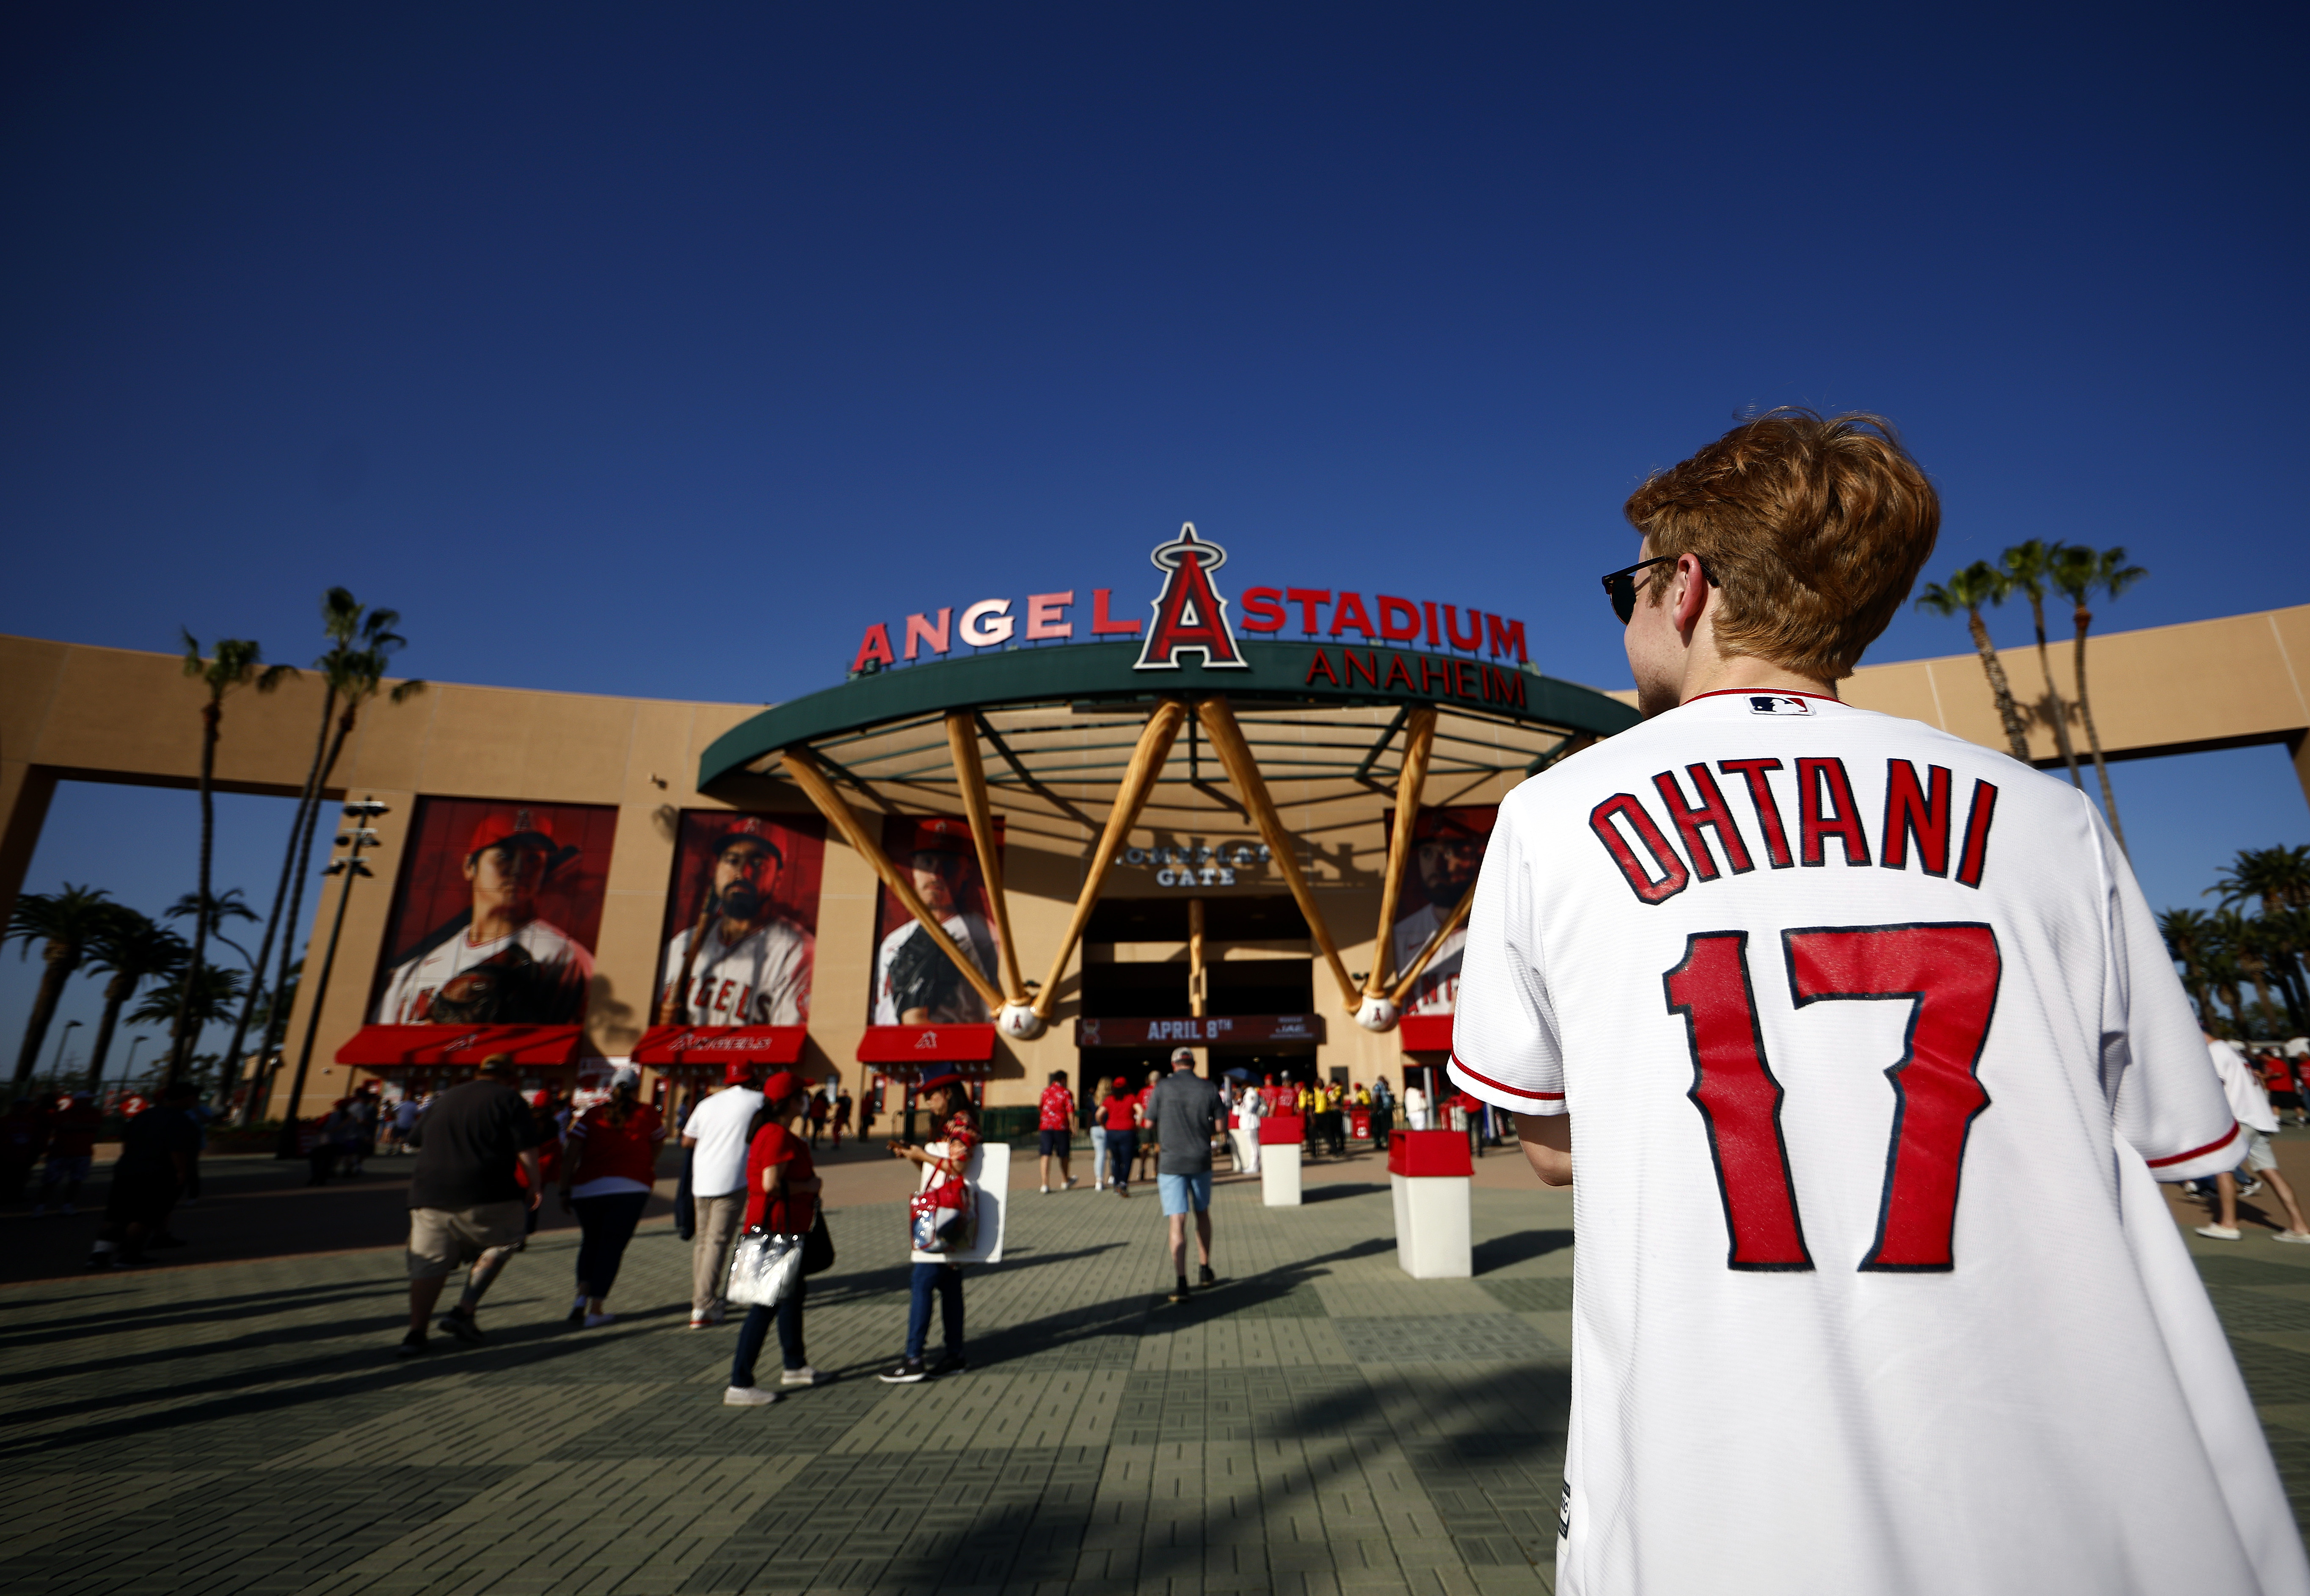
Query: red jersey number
column 1948, row 972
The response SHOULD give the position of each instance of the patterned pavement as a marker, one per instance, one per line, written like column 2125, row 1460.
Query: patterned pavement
column 1318, row 1425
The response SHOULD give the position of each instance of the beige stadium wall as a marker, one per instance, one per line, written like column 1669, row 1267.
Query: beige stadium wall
column 68, row 712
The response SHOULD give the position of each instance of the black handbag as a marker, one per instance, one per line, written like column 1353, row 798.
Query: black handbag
column 818, row 1247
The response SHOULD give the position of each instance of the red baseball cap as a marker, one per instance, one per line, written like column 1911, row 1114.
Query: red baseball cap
column 949, row 1079
column 1119, row 1081
column 749, row 828
column 781, row 1086
column 540, row 1100
column 517, row 825
column 943, row 835
column 738, row 1071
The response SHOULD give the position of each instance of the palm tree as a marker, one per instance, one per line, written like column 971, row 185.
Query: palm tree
column 2079, row 573
column 199, row 995
column 64, row 924
column 2028, row 569
column 2235, row 935
column 238, row 663
column 2189, row 940
column 229, row 904
column 1967, row 590
column 2279, row 878
column 360, row 645
column 274, row 1008
column 131, row 949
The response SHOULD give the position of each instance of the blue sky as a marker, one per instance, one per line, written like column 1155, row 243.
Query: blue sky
column 657, row 351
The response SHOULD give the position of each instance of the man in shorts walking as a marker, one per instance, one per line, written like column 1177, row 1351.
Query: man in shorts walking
column 1801, row 997
column 2255, row 1117
column 1186, row 1112
column 1058, row 1119
column 475, row 1147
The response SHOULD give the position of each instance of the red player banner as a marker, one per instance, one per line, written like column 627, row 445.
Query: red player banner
column 495, row 915
column 739, row 942
column 915, row 983
column 1221, row 1028
column 1448, row 850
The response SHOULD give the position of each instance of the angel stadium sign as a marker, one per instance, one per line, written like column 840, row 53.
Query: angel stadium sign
column 1189, row 621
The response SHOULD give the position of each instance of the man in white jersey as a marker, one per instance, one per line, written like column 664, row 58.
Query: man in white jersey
column 753, row 967
column 914, row 983
column 498, row 964
column 1804, row 994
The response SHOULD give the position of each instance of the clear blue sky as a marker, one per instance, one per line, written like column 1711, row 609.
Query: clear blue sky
column 657, row 351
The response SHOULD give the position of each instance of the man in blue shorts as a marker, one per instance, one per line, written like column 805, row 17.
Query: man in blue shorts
column 1186, row 1112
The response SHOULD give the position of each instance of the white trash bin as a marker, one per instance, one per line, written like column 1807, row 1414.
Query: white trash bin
column 1431, row 1175
column 1281, row 1140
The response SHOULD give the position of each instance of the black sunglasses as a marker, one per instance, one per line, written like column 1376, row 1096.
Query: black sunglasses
column 1621, row 584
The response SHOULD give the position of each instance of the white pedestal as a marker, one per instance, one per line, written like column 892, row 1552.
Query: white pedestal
column 1279, row 1174
column 1246, row 1149
column 1432, row 1226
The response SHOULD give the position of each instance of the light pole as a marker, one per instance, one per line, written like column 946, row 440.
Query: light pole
column 128, row 1071
column 358, row 836
column 56, row 1064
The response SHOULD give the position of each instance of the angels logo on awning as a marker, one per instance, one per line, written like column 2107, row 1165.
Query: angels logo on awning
column 1190, row 616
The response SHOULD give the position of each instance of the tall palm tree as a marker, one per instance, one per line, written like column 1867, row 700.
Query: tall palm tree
column 131, row 949
column 2234, row 933
column 2279, row 878
column 2189, row 940
column 1966, row 592
column 203, row 995
column 64, row 924
column 2028, row 569
column 228, row 905
column 238, row 663
column 2079, row 573
column 362, row 644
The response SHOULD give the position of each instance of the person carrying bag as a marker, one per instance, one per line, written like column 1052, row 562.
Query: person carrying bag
column 945, row 1212
column 769, row 1270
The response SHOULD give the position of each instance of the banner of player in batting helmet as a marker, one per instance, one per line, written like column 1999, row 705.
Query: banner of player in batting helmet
column 740, row 935
column 1448, row 849
column 915, row 983
column 495, row 913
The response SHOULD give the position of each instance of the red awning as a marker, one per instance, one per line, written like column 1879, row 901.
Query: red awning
column 778, row 1044
column 382, row 1046
column 889, row 1045
column 1426, row 1033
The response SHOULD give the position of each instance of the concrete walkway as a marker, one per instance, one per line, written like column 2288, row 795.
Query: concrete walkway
column 1319, row 1423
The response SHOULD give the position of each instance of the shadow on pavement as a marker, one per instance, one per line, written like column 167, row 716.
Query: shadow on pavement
column 1517, row 1247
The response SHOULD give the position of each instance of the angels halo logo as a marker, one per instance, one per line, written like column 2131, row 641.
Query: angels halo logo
column 1190, row 616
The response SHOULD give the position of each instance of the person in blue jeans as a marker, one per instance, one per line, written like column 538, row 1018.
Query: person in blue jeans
column 1186, row 1112
column 956, row 1125
column 782, row 1187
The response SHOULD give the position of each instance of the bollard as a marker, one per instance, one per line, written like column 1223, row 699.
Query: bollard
column 1282, row 1138
column 1431, row 1173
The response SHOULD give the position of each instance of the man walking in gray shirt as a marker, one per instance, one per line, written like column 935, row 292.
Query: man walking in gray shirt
column 1186, row 1111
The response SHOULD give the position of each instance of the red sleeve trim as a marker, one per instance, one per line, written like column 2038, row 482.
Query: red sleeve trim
column 1461, row 1064
column 2196, row 1152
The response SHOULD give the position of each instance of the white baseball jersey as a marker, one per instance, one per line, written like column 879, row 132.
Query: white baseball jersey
column 535, row 976
column 763, row 980
column 960, row 1005
column 1871, row 1049
column 2242, row 1086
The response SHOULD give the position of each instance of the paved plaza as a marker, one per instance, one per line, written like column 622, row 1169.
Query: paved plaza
column 1318, row 1424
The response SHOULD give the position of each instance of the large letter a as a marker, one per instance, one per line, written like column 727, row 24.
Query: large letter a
column 1190, row 617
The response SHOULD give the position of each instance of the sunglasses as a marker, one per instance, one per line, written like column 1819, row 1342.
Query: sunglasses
column 1621, row 584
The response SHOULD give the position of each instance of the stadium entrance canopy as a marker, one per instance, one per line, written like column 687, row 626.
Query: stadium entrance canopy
column 1184, row 730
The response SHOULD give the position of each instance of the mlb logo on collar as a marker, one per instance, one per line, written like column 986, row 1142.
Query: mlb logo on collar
column 1777, row 704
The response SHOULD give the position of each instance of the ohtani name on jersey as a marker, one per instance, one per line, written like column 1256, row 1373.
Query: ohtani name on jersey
column 1919, row 816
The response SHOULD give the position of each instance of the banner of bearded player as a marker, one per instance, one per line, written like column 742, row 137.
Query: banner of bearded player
column 495, row 913
column 1448, row 849
column 915, row 983
column 745, row 898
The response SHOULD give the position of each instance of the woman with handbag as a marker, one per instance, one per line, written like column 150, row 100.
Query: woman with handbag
column 947, row 1191
column 782, row 1187
column 606, row 1174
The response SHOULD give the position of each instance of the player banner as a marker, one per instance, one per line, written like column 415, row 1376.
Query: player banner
column 495, row 913
column 1448, row 849
column 915, row 983
column 740, row 935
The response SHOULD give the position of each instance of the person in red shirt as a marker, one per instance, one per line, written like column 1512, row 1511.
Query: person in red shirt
column 1058, row 1119
column 782, row 1188
column 72, row 1144
column 608, row 1168
column 1120, row 1110
column 944, row 1096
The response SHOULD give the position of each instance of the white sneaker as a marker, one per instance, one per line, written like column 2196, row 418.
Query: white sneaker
column 2218, row 1232
column 1072, row 1184
column 595, row 1320
column 805, row 1376
column 2299, row 1237
column 748, row 1396
column 2253, row 1187
column 1047, row 1191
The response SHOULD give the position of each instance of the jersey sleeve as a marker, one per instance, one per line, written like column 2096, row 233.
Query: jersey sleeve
column 2170, row 1105
column 1505, row 1047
